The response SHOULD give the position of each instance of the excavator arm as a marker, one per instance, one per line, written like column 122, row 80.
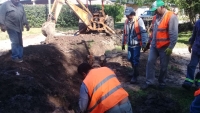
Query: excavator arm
column 48, row 28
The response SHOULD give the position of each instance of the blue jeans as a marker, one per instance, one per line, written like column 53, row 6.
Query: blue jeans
column 191, row 69
column 150, row 68
column 16, row 43
column 195, row 106
column 123, row 108
column 134, row 55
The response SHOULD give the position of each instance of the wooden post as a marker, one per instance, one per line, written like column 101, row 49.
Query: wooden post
column 49, row 2
column 33, row 2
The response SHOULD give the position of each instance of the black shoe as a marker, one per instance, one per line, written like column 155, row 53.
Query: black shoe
column 186, row 86
column 17, row 60
column 146, row 86
column 133, row 80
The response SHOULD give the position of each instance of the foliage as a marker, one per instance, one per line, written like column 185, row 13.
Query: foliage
column 38, row 14
column 191, row 7
column 138, row 2
column 67, row 18
column 116, row 11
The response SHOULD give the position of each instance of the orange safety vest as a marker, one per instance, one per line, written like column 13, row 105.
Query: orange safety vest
column 105, row 91
column 162, row 36
column 197, row 93
column 136, row 28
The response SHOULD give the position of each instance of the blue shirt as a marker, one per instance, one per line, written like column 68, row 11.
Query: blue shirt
column 195, row 39
column 84, row 98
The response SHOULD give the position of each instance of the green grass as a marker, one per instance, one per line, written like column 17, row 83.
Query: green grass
column 183, row 97
column 119, row 25
column 183, row 38
column 32, row 31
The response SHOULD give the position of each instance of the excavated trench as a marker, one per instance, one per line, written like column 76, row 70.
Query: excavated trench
column 47, row 80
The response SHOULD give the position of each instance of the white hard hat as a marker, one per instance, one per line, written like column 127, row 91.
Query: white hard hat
column 129, row 10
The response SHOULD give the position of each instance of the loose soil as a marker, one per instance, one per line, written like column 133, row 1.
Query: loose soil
column 47, row 80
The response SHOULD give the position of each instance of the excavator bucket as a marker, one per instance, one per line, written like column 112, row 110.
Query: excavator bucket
column 48, row 28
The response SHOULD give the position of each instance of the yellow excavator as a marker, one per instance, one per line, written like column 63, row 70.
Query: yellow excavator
column 89, row 21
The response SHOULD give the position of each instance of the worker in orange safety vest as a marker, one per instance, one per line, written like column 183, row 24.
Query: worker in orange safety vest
column 101, row 92
column 162, row 40
column 135, row 36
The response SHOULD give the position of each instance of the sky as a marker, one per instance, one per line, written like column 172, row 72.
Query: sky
column 2, row 1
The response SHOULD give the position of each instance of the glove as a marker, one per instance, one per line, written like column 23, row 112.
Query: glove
column 123, row 47
column 27, row 27
column 168, row 51
column 190, row 48
column 146, row 47
column 3, row 28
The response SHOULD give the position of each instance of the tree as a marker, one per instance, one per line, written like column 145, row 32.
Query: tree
column 191, row 7
column 116, row 11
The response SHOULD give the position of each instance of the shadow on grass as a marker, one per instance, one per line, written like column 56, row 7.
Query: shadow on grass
column 183, row 38
column 177, row 100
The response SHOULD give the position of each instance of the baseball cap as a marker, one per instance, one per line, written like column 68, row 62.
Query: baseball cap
column 129, row 10
column 157, row 4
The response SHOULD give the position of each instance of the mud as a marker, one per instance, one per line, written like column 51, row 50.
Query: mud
column 47, row 80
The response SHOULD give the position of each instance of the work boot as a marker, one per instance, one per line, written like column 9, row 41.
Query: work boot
column 186, row 86
column 197, row 80
column 135, row 75
column 147, row 86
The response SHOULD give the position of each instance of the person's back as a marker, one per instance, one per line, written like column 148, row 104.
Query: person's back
column 104, row 92
column 103, row 86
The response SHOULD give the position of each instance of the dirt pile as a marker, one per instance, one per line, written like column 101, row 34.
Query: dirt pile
column 48, row 76
column 47, row 80
column 156, row 102
column 22, row 94
column 51, row 75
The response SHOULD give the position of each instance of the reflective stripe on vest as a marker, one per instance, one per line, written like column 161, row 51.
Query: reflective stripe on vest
column 136, row 28
column 197, row 80
column 197, row 92
column 162, row 35
column 189, row 80
column 104, row 89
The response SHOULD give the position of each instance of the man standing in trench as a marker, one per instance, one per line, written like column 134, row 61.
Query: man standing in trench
column 101, row 92
column 13, row 19
column 162, row 39
column 135, row 36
